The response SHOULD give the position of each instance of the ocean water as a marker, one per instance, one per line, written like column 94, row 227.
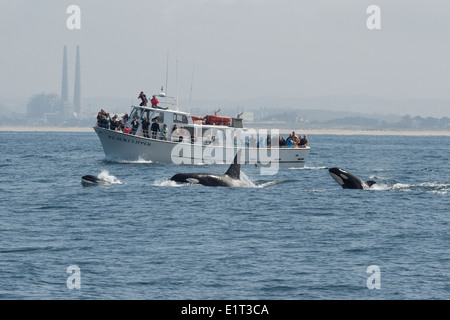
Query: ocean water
column 296, row 235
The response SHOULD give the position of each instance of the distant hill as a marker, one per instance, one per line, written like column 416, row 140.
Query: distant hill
column 357, row 103
column 286, row 112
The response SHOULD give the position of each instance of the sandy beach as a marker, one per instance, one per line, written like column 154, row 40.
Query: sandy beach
column 282, row 131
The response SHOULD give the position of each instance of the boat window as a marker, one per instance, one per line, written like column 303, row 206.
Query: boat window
column 180, row 118
column 145, row 114
column 136, row 113
column 161, row 117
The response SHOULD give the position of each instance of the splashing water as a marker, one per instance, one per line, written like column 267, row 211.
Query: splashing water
column 104, row 175
column 168, row 183
column 433, row 187
column 248, row 183
column 308, row 168
column 251, row 184
column 139, row 160
column 380, row 187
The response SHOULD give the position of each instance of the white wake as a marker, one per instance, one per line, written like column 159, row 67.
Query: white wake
column 109, row 178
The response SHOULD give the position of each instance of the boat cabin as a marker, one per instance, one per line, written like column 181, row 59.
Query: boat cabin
column 175, row 119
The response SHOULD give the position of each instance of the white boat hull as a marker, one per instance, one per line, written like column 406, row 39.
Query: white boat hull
column 125, row 147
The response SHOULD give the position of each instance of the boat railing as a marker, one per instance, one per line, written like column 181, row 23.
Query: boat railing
column 166, row 102
column 181, row 136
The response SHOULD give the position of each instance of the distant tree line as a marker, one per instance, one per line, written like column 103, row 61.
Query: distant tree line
column 418, row 122
column 406, row 122
column 292, row 117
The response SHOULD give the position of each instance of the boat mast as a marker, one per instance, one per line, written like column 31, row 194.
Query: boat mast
column 176, row 81
column 167, row 75
column 176, row 64
column 192, row 81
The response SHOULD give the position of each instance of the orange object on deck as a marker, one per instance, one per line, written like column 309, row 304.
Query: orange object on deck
column 197, row 120
column 218, row 120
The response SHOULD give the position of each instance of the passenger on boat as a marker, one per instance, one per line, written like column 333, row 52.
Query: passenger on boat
column 253, row 142
column 262, row 143
column 174, row 132
column 104, row 122
column 183, row 134
column 282, row 142
column 125, row 118
column 269, row 141
column 290, row 141
column 121, row 126
column 155, row 128
column 113, row 123
column 107, row 121
column 295, row 140
column 143, row 97
column 103, row 119
column 290, row 137
column 154, row 102
column 164, row 132
column 127, row 130
column 99, row 117
column 134, row 126
column 246, row 141
column 145, row 124
column 304, row 142
column 276, row 142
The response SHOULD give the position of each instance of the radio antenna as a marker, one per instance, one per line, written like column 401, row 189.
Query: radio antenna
column 192, row 81
column 167, row 75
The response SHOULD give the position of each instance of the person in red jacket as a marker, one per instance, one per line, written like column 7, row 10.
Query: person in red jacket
column 154, row 102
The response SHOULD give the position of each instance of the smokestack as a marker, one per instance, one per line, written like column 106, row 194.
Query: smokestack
column 77, row 93
column 65, row 79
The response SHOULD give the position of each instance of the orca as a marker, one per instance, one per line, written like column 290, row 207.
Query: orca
column 89, row 180
column 231, row 178
column 349, row 181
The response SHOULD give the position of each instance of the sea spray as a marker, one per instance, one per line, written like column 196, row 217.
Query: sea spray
column 105, row 175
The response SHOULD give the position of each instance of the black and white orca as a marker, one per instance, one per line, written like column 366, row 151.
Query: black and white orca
column 89, row 180
column 231, row 178
column 349, row 181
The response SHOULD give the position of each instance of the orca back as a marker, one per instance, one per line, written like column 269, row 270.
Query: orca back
column 91, row 179
column 349, row 181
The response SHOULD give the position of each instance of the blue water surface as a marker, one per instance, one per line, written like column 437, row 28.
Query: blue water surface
column 295, row 235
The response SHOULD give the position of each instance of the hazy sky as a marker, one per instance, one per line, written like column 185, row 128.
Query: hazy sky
column 241, row 49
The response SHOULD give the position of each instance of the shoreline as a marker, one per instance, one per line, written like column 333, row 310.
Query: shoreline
column 377, row 132
column 45, row 129
column 282, row 131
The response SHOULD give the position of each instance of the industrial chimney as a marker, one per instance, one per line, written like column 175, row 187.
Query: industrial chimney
column 77, row 93
column 65, row 79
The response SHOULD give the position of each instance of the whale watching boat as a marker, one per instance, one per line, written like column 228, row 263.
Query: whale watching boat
column 191, row 140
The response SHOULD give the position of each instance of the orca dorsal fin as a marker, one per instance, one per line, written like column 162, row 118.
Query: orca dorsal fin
column 234, row 171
